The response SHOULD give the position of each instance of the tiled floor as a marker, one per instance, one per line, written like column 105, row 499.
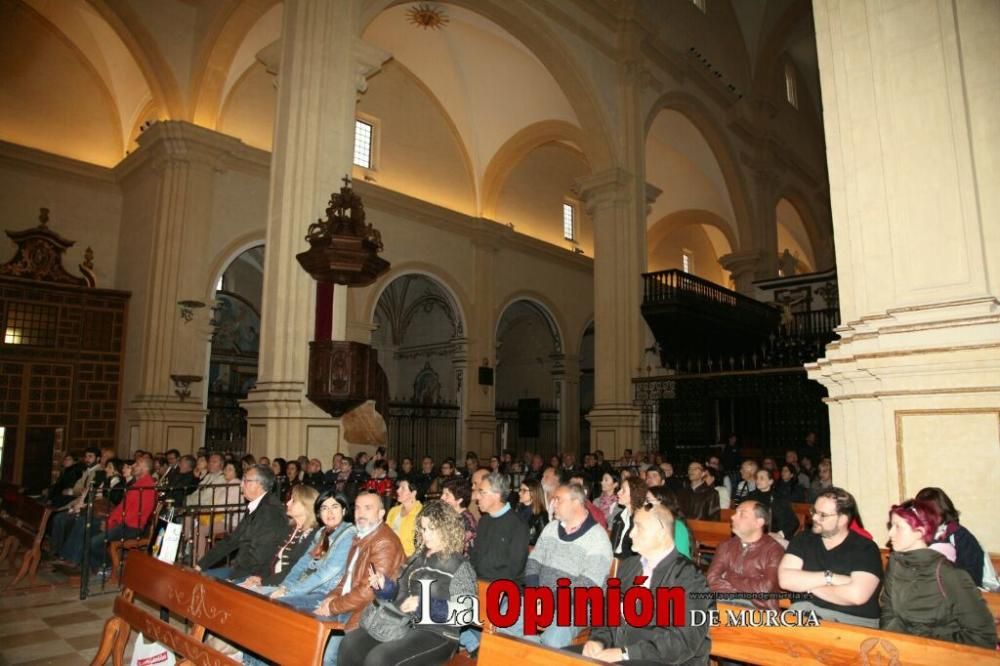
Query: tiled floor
column 48, row 624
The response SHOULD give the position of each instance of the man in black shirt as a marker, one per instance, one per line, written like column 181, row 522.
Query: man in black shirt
column 501, row 546
column 842, row 569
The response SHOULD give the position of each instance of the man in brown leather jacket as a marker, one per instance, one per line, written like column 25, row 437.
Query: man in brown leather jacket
column 375, row 545
column 747, row 562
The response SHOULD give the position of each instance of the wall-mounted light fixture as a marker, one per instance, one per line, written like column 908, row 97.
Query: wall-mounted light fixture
column 187, row 309
column 182, row 384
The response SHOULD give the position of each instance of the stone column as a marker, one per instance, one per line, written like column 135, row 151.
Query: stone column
column 910, row 92
column 169, row 332
column 566, row 375
column 612, row 200
column 743, row 266
column 322, row 69
column 479, row 423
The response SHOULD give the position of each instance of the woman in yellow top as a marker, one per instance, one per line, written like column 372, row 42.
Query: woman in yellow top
column 402, row 518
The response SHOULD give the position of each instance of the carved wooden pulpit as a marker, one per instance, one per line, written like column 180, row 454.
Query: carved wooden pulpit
column 343, row 249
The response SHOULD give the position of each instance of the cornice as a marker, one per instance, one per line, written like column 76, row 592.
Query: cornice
column 49, row 164
column 183, row 141
column 477, row 229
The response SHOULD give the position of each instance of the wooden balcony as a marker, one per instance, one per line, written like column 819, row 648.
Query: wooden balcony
column 692, row 317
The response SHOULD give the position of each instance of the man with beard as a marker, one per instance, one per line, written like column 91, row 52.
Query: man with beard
column 375, row 547
column 840, row 568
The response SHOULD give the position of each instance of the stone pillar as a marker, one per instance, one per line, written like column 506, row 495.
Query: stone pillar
column 743, row 266
column 910, row 91
column 566, row 375
column 614, row 200
column 322, row 69
column 765, row 222
column 479, row 422
column 169, row 332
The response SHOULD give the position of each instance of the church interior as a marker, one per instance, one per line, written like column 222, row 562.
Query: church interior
column 607, row 225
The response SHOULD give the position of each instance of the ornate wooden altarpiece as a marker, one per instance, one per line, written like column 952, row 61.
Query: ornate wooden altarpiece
column 61, row 356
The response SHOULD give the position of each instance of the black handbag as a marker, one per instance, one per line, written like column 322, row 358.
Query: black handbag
column 385, row 622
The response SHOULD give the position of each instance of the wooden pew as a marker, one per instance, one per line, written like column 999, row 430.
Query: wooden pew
column 833, row 643
column 803, row 511
column 497, row 650
column 23, row 521
column 707, row 535
column 272, row 630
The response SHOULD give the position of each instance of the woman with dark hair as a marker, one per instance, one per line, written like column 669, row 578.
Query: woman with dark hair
column 682, row 533
column 320, row 569
column 631, row 497
column 456, row 493
column 293, row 475
column 531, row 508
column 952, row 539
column 607, row 501
column 438, row 564
column 247, row 461
column 788, row 484
column 923, row 593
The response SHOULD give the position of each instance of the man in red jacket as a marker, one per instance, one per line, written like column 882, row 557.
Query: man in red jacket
column 128, row 519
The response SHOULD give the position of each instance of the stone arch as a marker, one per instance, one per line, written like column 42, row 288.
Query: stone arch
column 437, row 275
column 211, row 68
column 687, row 217
column 725, row 155
column 545, row 309
column 154, row 66
column 227, row 255
column 820, row 238
column 517, row 148
column 598, row 143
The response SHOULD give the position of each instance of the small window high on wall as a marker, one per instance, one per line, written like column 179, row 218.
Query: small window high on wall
column 791, row 87
column 569, row 221
column 687, row 261
column 364, row 134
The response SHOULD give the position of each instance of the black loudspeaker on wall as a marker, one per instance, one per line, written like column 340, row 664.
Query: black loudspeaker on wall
column 528, row 416
column 485, row 376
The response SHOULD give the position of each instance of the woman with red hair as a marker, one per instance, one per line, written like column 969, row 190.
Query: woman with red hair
column 924, row 594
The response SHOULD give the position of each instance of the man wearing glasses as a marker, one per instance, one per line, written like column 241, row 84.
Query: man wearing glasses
column 840, row 568
column 257, row 537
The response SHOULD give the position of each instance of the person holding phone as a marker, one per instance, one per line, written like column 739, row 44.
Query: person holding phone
column 437, row 563
column 375, row 544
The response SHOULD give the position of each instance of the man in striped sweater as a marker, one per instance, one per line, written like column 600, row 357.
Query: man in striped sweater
column 572, row 546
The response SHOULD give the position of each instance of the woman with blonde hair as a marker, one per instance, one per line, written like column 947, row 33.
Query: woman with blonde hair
column 437, row 564
column 301, row 512
column 402, row 518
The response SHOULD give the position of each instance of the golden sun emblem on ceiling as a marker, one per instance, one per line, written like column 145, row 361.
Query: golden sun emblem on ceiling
column 427, row 16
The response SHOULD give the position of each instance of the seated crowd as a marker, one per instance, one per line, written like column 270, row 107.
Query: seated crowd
column 356, row 544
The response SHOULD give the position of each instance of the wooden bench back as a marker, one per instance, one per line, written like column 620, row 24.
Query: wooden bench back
column 267, row 628
column 834, row 643
column 497, row 650
column 709, row 533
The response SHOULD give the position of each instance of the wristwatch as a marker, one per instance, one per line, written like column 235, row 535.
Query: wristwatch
column 828, row 575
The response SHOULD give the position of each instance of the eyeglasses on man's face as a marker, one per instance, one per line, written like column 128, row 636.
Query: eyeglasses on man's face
column 819, row 514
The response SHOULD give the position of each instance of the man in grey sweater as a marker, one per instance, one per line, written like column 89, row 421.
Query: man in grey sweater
column 572, row 546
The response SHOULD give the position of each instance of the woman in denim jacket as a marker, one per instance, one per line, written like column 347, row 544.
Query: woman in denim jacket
column 321, row 568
